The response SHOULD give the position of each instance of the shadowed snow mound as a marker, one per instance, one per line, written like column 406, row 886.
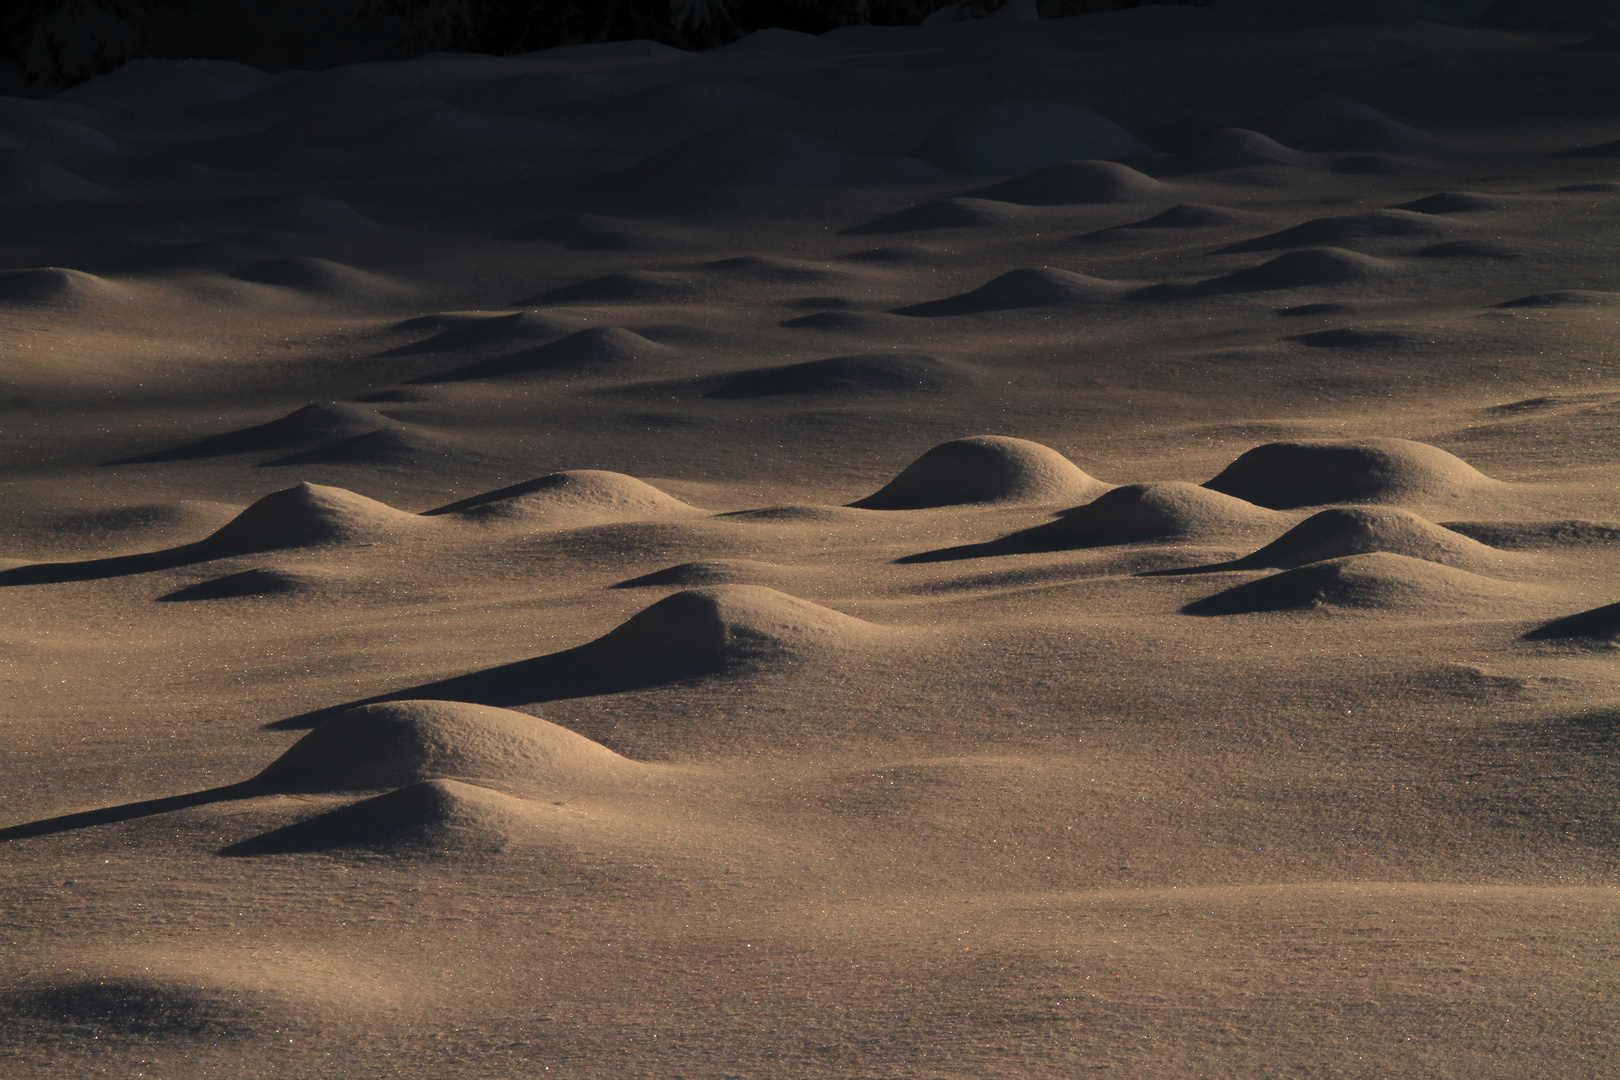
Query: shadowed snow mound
column 474, row 331
column 599, row 349
column 1282, row 475
column 580, row 496
column 392, row 744
column 257, row 582
column 321, row 277
column 1337, row 124
column 1043, row 287
column 389, row 446
column 1375, row 582
column 311, row 423
column 766, row 158
column 433, row 818
column 846, row 374
column 29, row 177
column 52, row 287
column 594, row 232
column 1598, row 624
column 713, row 572
column 306, row 516
column 1341, row 230
column 630, row 286
column 1235, row 148
column 1072, row 182
column 1361, row 530
column 984, row 469
column 1019, row 135
column 1134, row 514
column 720, row 630
column 963, row 213
column 1453, row 202
column 1295, row 270
column 1192, row 216
column 1564, row 298
column 1349, row 337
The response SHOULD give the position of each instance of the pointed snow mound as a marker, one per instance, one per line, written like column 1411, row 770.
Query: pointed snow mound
column 1598, row 624
column 1044, row 287
column 1360, row 530
column 1374, row 582
column 395, row 743
column 985, row 469
column 434, row 818
column 312, row 423
column 1071, row 183
column 1283, row 475
column 1020, row 135
column 575, row 497
column 307, row 516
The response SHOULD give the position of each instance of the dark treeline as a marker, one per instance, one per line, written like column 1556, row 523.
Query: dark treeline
column 56, row 43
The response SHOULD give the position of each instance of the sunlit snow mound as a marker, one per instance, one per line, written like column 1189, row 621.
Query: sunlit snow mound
column 577, row 496
column 985, row 469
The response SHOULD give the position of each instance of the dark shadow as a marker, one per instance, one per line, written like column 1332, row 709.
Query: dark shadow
column 1291, row 590
column 595, row 349
column 1598, row 624
column 111, row 815
column 311, row 423
column 55, row 573
column 256, row 582
column 375, row 822
column 843, row 374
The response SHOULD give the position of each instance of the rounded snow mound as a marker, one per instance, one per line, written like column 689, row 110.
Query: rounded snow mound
column 1327, row 124
column 1283, row 475
column 306, row 516
column 711, row 629
column 985, row 469
column 1036, row 287
column 395, row 743
column 1375, row 224
column 58, row 288
column 576, row 496
column 596, row 350
column 1073, row 182
column 1141, row 513
column 1016, row 136
column 1379, row 581
column 1359, row 530
column 1310, row 266
column 313, row 422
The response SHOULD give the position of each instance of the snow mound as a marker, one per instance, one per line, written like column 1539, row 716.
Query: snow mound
column 1564, row 298
column 985, row 469
column 1453, row 202
column 256, row 582
column 714, row 572
column 57, row 289
column 1349, row 337
column 597, row 350
column 629, row 286
column 28, row 177
column 395, row 743
column 311, row 423
column 1295, row 270
column 1236, row 148
column 321, row 278
column 1374, row 582
column 1019, row 135
column 1193, row 216
column 1073, row 182
column 1043, row 287
column 396, row 447
column 569, row 498
column 1282, row 475
column 309, row 516
column 595, row 232
column 1361, row 530
column 964, row 213
column 846, row 374
column 1328, row 124
column 767, row 158
column 1377, row 224
column 476, row 330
